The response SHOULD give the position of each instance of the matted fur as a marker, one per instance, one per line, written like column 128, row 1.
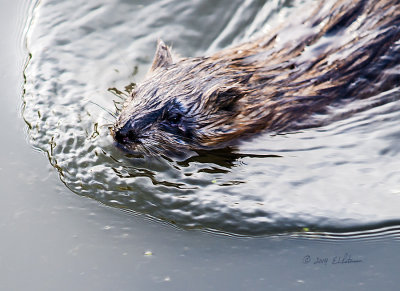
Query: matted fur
column 349, row 50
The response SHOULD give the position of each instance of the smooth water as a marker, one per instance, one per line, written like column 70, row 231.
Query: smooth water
column 83, row 61
column 53, row 239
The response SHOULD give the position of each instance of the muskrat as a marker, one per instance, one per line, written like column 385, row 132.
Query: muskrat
column 344, row 50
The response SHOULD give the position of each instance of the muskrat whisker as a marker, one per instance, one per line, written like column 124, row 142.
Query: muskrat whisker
column 105, row 109
column 141, row 147
column 109, row 125
column 109, row 122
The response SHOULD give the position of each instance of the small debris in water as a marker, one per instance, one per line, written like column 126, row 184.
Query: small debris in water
column 300, row 281
column 148, row 253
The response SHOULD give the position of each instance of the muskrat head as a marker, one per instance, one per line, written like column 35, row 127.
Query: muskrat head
column 181, row 106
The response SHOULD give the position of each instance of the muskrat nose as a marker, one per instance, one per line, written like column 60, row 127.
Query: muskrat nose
column 125, row 136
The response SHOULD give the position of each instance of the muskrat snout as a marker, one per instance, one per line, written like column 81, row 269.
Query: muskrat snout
column 125, row 136
column 122, row 137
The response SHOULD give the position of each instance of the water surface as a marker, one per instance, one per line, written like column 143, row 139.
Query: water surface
column 342, row 176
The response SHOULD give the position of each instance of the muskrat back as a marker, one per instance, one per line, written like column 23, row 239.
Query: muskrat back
column 346, row 50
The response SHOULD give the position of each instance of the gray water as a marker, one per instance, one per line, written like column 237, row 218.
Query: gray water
column 55, row 239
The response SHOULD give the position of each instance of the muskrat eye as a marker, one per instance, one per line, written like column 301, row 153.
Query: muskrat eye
column 174, row 118
column 172, row 114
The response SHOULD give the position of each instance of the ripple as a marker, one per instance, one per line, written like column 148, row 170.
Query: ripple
column 341, row 175
column 378, row 234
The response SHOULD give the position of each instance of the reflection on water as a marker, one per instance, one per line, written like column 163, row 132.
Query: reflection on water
column 340, row 176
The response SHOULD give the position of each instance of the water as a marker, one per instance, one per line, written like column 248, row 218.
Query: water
column 340, row 176
column 55, row 239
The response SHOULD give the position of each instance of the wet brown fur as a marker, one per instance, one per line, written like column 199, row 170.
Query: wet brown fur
column 346, row 50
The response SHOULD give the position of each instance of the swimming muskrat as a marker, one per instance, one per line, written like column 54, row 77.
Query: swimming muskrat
column 343, row 50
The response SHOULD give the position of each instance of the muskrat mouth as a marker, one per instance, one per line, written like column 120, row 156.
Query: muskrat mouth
column 131, row 148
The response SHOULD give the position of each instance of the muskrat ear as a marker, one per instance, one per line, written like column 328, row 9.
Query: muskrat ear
column 163, row 56
column 226, row 98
